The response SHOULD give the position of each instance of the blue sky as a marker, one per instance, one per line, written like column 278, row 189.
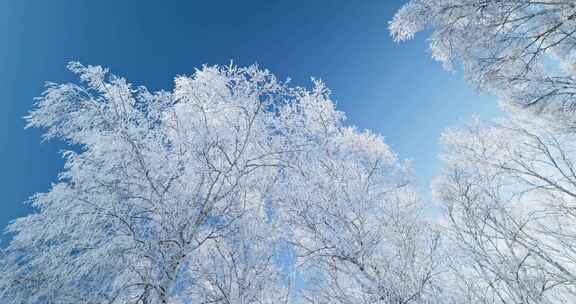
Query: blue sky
column 393, row 89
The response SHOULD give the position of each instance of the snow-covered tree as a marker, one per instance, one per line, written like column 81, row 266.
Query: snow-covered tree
column 188, row 195
column 154, row 177
column 358, row 225
column 510, row 195
column 523, row 50
column 509, row 188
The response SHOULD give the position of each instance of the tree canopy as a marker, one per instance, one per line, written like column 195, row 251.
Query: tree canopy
column 192, row 194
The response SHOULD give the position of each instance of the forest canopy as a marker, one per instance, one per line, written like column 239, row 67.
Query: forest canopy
column 237, row 188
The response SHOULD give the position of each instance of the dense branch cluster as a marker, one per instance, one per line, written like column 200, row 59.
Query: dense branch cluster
column 524, row 50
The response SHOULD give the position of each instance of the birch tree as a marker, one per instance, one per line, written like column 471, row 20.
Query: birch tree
column 155, row 176
column 189, row 195
column 509, row 190
column 358, row 225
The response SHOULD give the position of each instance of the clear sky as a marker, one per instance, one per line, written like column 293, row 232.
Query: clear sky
column 393, row 89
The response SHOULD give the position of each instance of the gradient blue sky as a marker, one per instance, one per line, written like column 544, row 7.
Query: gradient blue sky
column 393, row 89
